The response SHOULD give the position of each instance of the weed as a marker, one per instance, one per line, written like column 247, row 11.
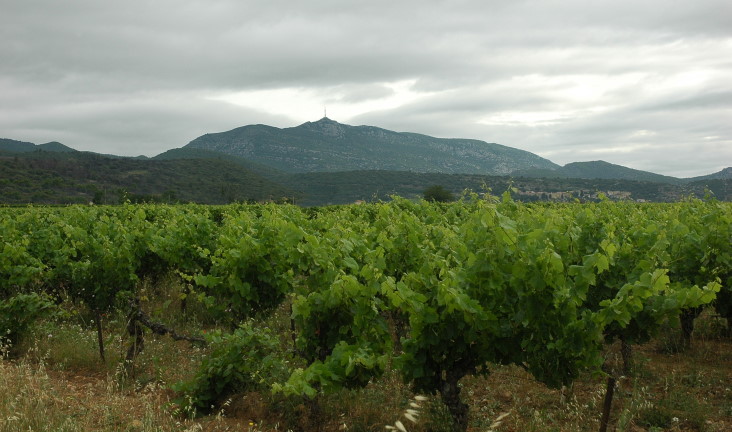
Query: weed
column 65, row 345
column 654, row 416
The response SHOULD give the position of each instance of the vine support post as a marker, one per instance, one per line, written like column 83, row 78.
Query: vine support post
column 315, row 412
column 607, row 403
column 626, row 350
column 687, row 326
column 184, row 299
column 100, row 338
column 293, row 330
column 136, row 332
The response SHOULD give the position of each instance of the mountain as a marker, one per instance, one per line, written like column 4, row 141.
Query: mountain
column 606, row 170
column 329, row 146
column 13, row 146
column 725, row 174
column 320, row 163
column 194, row 153
column 598, row 170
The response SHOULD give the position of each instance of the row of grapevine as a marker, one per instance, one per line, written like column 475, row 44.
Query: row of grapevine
column 439, row 291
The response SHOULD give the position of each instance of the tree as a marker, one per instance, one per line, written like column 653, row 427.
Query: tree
column 438, row 193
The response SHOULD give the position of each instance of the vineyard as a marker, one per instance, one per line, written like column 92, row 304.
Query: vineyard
column 306, row 309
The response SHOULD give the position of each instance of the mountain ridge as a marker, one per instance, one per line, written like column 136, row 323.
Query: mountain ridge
column 15, row 146
column 241, row 144
column 725, row 173
column 601, row 170
column 329, row 146
column 82, row 177
column 195, row 175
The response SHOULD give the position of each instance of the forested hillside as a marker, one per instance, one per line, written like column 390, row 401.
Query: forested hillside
column 46, row 178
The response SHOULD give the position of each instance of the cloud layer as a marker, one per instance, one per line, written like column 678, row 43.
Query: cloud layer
column 644, row 85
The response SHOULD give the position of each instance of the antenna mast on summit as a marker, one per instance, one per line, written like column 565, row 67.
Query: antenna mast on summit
column 325, row 112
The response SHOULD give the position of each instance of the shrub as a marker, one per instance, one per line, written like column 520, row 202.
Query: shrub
column 17, row 313
column 438, row 193
column 245, row 360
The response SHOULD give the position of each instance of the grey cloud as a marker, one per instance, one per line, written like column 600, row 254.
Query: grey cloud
column 141, row 126
column 133, row 76
column 708, row 100
column 358, row 93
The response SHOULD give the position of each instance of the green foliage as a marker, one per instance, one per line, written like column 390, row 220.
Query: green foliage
column 252, row 267
column 183, row 238
column 341, row 332
column 437, row 193
column 717, row 221
column 347, row 366
column 676, row 410
column 655, row 417
column 106, row 250
column 439, row 290
column 18, row 268
column 495, row 292
column 17, row 313
column 246, row 360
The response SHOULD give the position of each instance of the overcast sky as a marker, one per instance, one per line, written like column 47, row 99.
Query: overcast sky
column 645, row 84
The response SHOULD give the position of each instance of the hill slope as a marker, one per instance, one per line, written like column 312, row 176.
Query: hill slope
column 194, row 153
column 606, row 170
column 80, row 177
column 328, row 146
column 598, row 170
column 725, row 174
column 212, row 178
column 13, row 146
column 347, row 187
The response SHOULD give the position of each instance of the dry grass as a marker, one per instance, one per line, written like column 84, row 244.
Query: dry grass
column 38, row 399
column 689, row 391
column 61, row 385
